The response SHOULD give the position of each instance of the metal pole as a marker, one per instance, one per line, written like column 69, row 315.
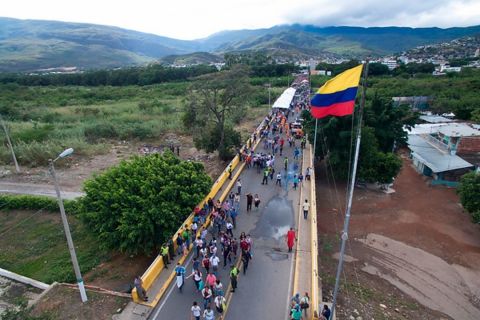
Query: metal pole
column 350, row 192
column 17, row 168
column 315, row 140
column 71, row 248
column 269, row 103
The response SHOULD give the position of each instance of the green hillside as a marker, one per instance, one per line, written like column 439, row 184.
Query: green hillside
column 30, row 45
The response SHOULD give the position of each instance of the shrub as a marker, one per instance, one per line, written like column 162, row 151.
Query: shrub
column 100, row 131
column 29, row 202
column 469, row 191
column 139, row 204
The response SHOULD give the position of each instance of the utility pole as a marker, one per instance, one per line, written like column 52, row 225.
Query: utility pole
column 71, row 248
column 17, row 168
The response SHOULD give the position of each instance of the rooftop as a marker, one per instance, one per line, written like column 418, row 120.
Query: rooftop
column 458, row 130
column 435, row 119
column 433, row 157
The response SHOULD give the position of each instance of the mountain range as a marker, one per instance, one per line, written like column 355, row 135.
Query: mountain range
column 29, row 45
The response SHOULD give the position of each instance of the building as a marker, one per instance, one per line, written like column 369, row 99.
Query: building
column 428, row 118
column 391, row 64
column 444, row 151
column 419, row 103
column 433, row 160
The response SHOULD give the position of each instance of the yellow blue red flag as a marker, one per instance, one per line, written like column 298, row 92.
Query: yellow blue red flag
column 337, row 96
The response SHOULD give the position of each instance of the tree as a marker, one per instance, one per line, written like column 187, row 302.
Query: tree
column 215, row 100
column 377, row 69
column 469, row 191
column 137, row 205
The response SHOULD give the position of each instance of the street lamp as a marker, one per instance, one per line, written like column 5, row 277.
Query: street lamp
column 71, row 248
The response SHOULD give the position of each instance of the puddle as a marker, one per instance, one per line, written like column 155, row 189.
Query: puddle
column 276, row 219
column 275, row 256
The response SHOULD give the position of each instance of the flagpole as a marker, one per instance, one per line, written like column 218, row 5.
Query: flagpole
column 350, row 190
column 315, row 140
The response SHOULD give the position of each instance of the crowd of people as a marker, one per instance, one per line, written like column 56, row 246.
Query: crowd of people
column 216, row 245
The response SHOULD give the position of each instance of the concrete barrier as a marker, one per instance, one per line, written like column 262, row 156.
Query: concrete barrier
column 314, row 305
column 22, row 279
column 154, row 270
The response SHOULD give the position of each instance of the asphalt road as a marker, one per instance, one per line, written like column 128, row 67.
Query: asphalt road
column 263, row 293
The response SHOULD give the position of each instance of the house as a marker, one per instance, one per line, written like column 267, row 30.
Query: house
column 418, row 103
column 444, row 151
column 433, row 160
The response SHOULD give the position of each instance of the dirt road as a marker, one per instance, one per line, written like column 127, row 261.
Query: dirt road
column 418, row 252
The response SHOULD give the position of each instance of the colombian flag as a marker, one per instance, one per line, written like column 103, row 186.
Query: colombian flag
column 337, row 96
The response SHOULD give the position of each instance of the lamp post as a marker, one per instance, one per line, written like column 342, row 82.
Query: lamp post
column 17, row 168
column 71, row 248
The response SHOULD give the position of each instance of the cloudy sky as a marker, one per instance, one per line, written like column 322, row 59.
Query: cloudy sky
column 191, row 19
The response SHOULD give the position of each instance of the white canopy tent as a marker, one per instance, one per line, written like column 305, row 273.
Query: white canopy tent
column 283, row 102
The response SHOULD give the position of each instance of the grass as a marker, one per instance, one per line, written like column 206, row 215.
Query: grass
column 37, row 247
column 44, row 120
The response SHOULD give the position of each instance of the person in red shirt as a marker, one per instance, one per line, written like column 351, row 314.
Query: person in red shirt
column 291, row 237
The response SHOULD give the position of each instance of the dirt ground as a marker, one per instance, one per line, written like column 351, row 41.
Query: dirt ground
column 414, row 254
column 64, row 303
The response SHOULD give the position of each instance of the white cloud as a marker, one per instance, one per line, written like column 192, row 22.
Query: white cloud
column 189, row 19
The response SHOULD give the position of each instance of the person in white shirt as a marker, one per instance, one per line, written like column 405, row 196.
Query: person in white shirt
column 306, row 207
column 229, row 227
column 214, row 261
column 208, row 314
column 219, row 303
column 196, row 311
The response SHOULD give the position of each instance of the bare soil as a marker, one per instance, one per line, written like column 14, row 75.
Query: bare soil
column 415, row 251
column 64, row 303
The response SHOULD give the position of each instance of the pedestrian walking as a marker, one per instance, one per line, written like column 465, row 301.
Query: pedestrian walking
column 198, row 246
column 295, row 182
column 306, row 207
column 220, row 304
column 229, row 227
column 138, row 284
column 308, row 173
column 249, row 201
column 279, row 179
column 179, row 242
column 196, row 311
column 197, row 279
column 208, row 313
column 233, row 277
column 326, row 313
column 236, row 202
column 180, row 276
column 210, row 280
column 285, row 164
column 239, row 186
column 256, row 201
column 207, row 296
column 214, row 261
column 296, row 313
column 218, row 288
column 186, row 237
column 246, row 257
column 291, row 237
column 230, row 172
column 305, row 303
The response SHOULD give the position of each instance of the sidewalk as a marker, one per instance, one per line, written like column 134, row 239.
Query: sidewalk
column 303, row 264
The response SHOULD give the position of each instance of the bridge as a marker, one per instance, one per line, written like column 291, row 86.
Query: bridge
column 274, row 275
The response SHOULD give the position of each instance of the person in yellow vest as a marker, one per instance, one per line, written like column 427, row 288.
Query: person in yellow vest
column 164, row 254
